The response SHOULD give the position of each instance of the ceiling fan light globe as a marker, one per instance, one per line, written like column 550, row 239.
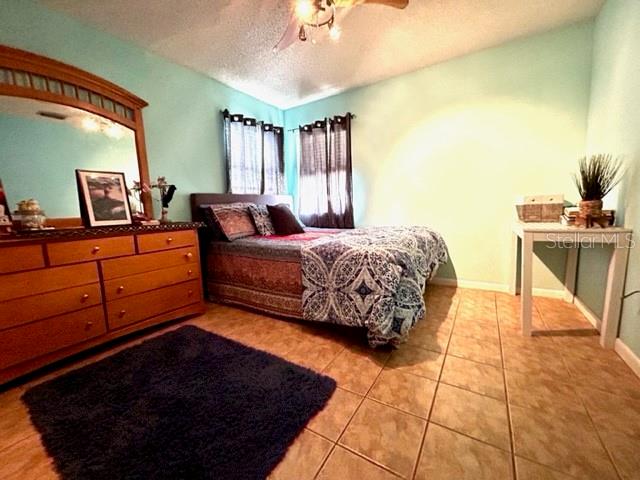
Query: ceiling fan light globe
column 334, row 32
column 304, row 10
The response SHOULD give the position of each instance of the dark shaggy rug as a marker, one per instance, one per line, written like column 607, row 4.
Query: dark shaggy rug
column 185, row 405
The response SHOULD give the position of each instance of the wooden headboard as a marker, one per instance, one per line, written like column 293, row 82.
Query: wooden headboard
column 199, row 199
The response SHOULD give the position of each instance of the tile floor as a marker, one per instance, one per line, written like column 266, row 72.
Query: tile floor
column 466, row 398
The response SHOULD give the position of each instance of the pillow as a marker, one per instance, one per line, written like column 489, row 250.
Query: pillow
column 283, row 219
column 261, row 219
column 231, row 219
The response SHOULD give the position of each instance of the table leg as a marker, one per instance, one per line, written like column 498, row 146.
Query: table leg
column 570, row 274
column 513, row 281
column 526, row 283
column 614, row 291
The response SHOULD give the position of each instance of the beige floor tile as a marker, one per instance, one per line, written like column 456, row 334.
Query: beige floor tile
column 625, row 451
column 616, row 378
column 567, row 443
column 417, row 361
column 612, row 412
column 15, row 424
column 481, row 331
column 26, row 460
column 542, row 372
column 355, row 371
column 345, row 465
column 405, row 391
column 528, row 470
column 535, row 344
column 477, row 377
column 303, row 459
column 429, row 340
column 386, row 436
column 316, row 356
column 476, row 350
column 539, row 362
column 542, row 392
column 332, row 420
column 478, row 416
column 617, row 420
column 450, row 455
column 478, row 313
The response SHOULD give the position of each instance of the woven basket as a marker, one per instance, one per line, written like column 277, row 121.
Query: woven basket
column 540, row 208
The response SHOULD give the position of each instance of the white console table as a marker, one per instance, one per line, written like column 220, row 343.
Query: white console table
column 572, row 238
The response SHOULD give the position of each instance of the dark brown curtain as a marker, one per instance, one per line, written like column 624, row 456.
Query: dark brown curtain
column 254, row 152
column 326, row 189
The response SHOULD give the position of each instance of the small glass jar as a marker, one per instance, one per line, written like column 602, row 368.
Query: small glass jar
column 32, row 219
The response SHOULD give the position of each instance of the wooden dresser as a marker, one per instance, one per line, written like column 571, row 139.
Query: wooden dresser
column 64, row 291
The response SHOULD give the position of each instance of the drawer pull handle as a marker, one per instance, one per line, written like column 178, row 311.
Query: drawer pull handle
column 189, row 272
column 169, row 240
column 189, row 255
column 89, row 324
column 85, row 297
column 95, row 249
column 120, row 289
column 190, row 292
column 122, row 313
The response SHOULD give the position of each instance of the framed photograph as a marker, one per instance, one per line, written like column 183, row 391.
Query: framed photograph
column 103, row 198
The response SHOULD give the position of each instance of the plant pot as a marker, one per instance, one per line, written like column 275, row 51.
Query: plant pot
column 590, row 208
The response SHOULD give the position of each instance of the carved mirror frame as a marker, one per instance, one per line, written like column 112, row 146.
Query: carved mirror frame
column 26, row 74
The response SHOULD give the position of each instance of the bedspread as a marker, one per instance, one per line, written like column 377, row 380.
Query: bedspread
column 371, row 277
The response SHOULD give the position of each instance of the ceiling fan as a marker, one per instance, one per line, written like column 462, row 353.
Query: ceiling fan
column 309, row 16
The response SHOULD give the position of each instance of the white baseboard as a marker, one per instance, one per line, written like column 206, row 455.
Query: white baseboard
column 588, row 313
column 493, row 287
column 628, row 356
column 452, row 282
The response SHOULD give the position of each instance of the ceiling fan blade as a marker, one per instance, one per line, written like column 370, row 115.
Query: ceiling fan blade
column 389, row 3
column 290, row 34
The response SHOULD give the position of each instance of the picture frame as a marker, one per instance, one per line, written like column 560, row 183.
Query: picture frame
column 103, row 198
column 5, row 213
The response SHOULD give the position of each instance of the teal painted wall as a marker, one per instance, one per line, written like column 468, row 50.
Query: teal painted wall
column 452, row 145
column 38, row 159
column 614, row 119
column 182, row 122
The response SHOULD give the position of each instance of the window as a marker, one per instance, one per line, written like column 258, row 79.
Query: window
column 255, row 155
column 325, row 173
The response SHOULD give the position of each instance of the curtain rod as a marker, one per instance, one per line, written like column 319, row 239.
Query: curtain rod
column 298, row 128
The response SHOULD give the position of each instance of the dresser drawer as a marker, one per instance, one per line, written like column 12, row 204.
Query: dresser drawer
column 17, row 259
column 36, row 307
column 143, row 282
column 17, row 285
column 123, row 267
column 86, row 250
column 146, row 305
column 39, row 338
column 152, row 242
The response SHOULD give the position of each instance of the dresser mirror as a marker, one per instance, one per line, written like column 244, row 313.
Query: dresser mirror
column 56, row 119
column 43, row 143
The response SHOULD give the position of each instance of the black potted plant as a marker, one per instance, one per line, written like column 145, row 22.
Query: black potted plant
column 597, row 176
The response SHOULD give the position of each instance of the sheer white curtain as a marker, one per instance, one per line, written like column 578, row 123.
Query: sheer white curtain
column 254, row 154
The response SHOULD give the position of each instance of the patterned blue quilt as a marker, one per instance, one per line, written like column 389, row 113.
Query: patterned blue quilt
column 372, row 277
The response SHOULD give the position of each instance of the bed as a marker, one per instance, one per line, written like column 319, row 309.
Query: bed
column 372, row 277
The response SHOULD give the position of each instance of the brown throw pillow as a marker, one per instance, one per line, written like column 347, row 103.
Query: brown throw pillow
column 233, row 220
column 283, row 219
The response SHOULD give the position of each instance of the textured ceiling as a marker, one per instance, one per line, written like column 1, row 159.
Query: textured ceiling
column 232, row 40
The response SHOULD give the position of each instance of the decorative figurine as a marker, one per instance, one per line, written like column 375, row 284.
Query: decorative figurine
column 31, row 215
column 5, row 217
column 166, row 195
